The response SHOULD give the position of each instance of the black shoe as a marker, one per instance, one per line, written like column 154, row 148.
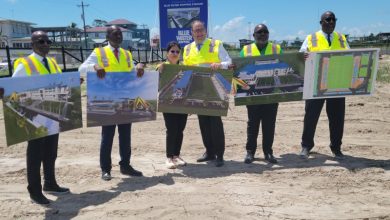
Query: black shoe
column 130, row 171
column 304, row 153
column 205, row 158
column 39, row 198
column 249, row 158
column 55, row 189
column 338, row 155
column 270, row 158
column 219, row 162
column 106, row 176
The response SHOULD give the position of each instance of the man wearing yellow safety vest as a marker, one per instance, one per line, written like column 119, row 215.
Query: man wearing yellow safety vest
column 264, row 113
column 323, row 40
column 41, row 150
column 113, row 58
column 208, row 53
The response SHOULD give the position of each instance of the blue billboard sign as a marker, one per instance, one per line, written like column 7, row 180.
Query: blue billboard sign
column 176, row 17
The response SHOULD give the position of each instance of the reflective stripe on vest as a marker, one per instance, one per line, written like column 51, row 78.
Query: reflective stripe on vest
column 211, row 47
column 188, row 49
column 274, row 51
column 314, row 40
column 127, row 58
column 103, row 57
column 249, row 50
column 31, row 65
column 342, row 44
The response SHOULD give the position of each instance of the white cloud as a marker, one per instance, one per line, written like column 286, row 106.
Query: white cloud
column 231, row 31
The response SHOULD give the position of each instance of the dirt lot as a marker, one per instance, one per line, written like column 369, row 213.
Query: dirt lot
column 317, row 188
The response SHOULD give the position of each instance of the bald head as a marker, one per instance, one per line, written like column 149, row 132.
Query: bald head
column 40, row 43
column 261, row 35
column 114, row 36
column 328, row 22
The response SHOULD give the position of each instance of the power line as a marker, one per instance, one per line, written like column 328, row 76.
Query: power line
column 83, row 17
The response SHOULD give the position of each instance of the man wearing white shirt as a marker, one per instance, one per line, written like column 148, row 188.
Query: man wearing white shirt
column 112, row 58
column 42, row 150
column 323, row 40
column 208, row 52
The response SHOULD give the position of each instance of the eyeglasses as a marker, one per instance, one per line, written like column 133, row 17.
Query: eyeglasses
column 175, row 51
column 262, row 32
column 45, row 41
column 330, row 19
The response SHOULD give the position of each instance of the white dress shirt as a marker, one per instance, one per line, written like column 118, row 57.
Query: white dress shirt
column 91, row 61
column 222, row 55
column 305, row 45
column 20, row 71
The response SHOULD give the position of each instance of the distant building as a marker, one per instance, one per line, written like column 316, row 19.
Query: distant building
column 133, row 37
column 15, row 33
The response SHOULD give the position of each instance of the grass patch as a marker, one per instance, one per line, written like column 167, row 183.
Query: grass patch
column 383, row 74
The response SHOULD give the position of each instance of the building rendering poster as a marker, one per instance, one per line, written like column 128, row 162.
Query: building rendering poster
column 121, row 98
column 40, row 106
column 343, row 73
column 176, row 17
column 268, row 79
column 194, row 90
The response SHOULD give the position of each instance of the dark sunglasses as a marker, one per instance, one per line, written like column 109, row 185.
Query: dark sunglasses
column 262, row 32
column 45, row 41
column 175, row 51
column 330, row 19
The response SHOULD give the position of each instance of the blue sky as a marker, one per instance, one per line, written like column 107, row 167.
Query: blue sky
column 123, row 85
column 19, row 84
column 230, row 20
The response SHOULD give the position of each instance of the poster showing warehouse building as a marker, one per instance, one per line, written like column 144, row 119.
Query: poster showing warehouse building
column 121, row 98
column 268, row 79
column 194, row 90
column 40, row 106
column 340, row 73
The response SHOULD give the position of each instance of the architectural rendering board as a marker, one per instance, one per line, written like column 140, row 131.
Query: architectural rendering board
column 40, row 106
column 194, row 90
column 121, row 98
column 268, row 79
column 340, row 73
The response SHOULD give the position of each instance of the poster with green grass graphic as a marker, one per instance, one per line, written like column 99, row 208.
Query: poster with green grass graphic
column 340, row 73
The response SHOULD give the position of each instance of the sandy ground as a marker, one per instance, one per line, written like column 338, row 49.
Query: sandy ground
column 317, row 188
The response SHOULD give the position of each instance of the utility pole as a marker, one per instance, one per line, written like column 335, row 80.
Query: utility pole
column 83, row 17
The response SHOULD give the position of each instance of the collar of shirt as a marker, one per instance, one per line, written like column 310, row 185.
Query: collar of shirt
column 201, row 42
column 326, row 35
column 111, row 47
column 39, row 57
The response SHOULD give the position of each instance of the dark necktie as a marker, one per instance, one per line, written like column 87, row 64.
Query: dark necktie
column 46, row 64
column 116, row 53
column 329, row 41
column 199, row 46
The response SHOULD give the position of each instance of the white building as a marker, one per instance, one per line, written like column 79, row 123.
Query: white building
column 15, row 33
column 56, row 94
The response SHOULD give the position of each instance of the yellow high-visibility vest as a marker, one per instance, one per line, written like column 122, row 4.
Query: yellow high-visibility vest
column 318, row 42
column 251, row 50
column 207, row 54
column 33, row 66
column 108, row 61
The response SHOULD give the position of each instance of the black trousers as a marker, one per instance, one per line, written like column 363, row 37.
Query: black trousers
column 213, row 136
column 175, row 124
column 266, row 114
column 42, row 150
column 335, row 109
column 108, row 133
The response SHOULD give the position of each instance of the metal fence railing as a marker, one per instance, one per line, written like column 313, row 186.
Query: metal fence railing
column 70, row 59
